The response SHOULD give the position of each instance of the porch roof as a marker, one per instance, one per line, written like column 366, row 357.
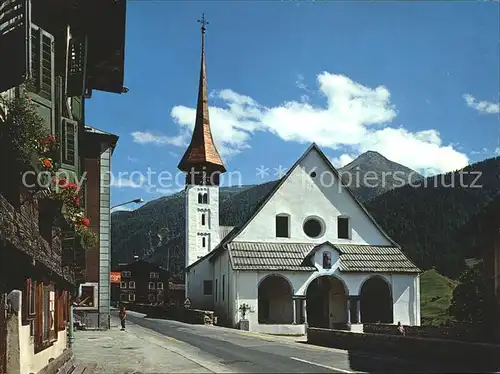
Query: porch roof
column 295, row 256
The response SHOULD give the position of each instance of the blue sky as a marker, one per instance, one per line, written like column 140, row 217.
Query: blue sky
column 416, row 81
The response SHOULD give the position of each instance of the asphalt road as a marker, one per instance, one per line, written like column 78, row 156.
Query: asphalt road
column 244, row 352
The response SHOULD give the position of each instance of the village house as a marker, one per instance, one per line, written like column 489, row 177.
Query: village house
column 140, row 282
column 94, row 300
column 54, row 54
column 310, row 254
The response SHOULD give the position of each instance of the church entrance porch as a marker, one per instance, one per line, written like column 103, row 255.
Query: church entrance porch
column 276, row 303
column 327, row 302
column 376, row 301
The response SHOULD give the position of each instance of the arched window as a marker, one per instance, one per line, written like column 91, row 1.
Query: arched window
column 203, row 219
column 203, row 242
column 205, row 198
column 200, row 198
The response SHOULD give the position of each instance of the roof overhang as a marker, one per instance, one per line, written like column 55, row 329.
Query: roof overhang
column 94, row 138
column 106, row 45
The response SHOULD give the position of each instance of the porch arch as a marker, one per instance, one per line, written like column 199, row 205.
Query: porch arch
column 376, row 300
column 326, row 297
column 275, row 300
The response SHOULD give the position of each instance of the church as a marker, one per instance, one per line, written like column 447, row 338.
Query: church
column 309, row 255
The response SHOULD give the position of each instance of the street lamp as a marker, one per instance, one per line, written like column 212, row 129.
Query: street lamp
column 136, row 201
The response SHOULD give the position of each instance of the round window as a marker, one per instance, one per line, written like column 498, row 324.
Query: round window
column 313, row 227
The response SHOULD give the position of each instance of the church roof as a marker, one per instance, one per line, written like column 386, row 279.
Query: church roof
column 296, row 257
column 202, row 150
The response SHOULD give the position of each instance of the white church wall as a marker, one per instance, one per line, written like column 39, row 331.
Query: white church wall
column 195, row 278
column 406, row 298
column 223, row 286
column 302, row 196
column 405, row 288
column 247, row 292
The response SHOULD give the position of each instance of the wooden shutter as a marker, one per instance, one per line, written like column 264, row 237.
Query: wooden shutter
column 69, row 140
column 14, row 32
column 39, row 315
column 77, row 64
column 42, row 74
column 26, row 300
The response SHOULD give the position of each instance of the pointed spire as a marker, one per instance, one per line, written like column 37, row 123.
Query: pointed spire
column 202, row 151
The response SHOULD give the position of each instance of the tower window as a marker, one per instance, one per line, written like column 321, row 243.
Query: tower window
column 343, row 230
column 203, row 242
column 205, row 198
column 282, row 226
column 200, row 198
column 203, row 220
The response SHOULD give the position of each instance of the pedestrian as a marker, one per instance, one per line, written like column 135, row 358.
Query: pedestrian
column 123, row 315
column 401, row 329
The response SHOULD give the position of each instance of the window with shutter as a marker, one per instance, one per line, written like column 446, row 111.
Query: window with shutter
column 42, row 74
column 77, row 62
column 69, row 143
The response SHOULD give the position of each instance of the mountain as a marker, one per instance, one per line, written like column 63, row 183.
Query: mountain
column 371, row 174
column 426, row 220
column 156, row 230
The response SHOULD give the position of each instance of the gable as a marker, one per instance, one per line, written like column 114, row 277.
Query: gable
column 301, row 195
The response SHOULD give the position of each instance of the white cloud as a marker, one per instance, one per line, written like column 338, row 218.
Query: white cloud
column 497, row 151
column 354, row 116
column 148, row 137
column 485, row 107
column 121, row 209
column 128, row 182
column 342, row 161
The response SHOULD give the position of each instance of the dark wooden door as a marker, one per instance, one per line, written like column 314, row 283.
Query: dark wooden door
column 3, row 333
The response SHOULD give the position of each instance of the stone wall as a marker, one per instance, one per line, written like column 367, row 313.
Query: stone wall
column 434, row 352
column 463, row 332
column 19, row 227
column 176, row 313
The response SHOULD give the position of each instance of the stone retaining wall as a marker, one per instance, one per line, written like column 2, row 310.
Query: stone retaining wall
column 457, row 354
column 176, row 313
column 463, row 332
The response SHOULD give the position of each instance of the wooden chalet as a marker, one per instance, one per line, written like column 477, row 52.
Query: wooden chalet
column 54, row 53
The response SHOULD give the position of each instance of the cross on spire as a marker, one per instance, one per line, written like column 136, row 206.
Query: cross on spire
column 203, row 22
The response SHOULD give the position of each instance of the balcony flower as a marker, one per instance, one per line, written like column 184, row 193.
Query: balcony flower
column 47, row 163
column 47, row 144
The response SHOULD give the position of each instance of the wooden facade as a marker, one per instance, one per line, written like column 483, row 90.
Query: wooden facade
column 64, row 49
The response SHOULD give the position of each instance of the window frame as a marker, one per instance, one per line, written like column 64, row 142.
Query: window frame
column 347, row 219
column 131, row 285
column 278, row 217
column 208, row 287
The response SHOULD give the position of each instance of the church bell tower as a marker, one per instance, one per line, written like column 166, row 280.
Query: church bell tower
column 203, row 166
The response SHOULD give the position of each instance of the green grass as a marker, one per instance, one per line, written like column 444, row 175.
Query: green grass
column 436, row 292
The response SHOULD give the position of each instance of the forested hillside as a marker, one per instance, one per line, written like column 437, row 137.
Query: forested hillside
column 424, row 220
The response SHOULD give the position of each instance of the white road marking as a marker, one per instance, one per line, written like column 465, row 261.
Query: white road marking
column 323, row 366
